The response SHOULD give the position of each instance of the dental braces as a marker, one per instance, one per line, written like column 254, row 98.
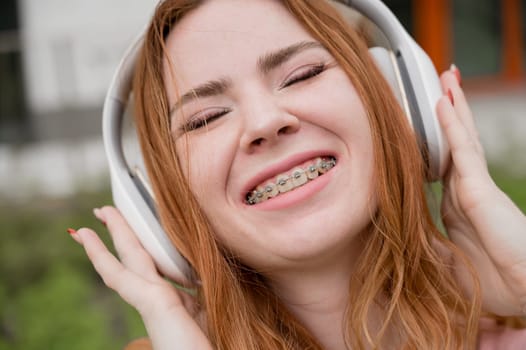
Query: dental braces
column 322, row 167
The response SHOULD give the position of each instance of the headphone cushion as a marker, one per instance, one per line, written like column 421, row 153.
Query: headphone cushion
column 383, row 60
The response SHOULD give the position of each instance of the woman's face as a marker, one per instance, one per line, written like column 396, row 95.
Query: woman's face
column 277, row 146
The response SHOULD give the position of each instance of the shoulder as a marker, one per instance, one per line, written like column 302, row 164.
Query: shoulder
column 503, row 338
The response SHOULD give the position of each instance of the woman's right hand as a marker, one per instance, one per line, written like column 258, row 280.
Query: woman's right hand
column 168, row 314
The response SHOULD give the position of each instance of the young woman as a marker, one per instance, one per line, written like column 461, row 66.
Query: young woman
column 340, row 250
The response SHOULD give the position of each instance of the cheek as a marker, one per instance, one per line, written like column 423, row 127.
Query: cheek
column 337, row 105
column 204, row 167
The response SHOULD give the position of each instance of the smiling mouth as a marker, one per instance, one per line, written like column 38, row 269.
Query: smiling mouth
column 289, row 181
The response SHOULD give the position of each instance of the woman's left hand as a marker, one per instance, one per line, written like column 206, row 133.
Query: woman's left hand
column 480, row 219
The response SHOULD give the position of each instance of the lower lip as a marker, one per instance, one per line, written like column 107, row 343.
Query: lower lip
column 297, row 195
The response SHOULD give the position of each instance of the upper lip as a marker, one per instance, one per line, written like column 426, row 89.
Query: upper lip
column 284, row 165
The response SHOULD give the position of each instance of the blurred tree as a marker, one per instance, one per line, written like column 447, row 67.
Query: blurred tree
column 50, row 296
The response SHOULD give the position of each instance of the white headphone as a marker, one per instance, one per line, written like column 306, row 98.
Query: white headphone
column 404, row 64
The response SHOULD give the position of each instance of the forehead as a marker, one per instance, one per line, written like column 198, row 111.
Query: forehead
column 222, row 34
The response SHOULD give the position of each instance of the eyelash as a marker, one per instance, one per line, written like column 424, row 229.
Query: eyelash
column 203, row 120
column 311, row 72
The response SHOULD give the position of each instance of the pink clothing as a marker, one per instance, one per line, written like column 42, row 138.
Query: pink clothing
column 502, row 338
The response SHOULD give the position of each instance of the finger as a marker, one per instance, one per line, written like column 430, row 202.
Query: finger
column 449, row 81
column 114, row 274
column 467, row 160
column 131, row 253
column 466, row 116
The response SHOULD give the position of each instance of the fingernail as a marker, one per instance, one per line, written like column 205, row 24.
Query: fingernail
column 456, row 71
column 450, row 95
column 98, row 215
column 71, row 231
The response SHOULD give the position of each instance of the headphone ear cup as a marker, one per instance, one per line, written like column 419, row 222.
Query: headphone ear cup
column 131, row 196
column 421, row 117
column 427, row 90
column 384, row 60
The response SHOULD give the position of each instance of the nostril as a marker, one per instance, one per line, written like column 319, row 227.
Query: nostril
column 257, row 142
column 283, row 130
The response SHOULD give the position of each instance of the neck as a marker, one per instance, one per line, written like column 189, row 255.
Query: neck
column 317, row 294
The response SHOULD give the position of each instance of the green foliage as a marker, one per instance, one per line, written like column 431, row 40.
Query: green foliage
column 513, row 185
column 50, row 296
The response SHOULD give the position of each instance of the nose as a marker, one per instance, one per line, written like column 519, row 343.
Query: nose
column 265, row 124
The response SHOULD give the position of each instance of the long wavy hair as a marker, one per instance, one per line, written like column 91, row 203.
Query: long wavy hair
column 400, row 270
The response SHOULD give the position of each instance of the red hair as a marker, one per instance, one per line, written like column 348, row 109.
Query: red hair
column 401, row 269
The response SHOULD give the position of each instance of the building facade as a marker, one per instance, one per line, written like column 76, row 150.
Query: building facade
column 485, row 38
column 56, row 61
column 57, row 57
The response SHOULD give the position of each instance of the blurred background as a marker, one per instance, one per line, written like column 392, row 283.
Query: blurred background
column 56, row 62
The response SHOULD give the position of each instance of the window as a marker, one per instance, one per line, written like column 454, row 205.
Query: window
column 8, row 15
column 12, row 102
column 523, row 20
column 403, row 11
column 477, row 36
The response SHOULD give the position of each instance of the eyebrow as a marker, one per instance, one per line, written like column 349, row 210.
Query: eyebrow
column 272, row 60
column 265, row 64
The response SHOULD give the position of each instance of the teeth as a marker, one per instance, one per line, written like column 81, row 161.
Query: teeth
column 323, row 166
column 285, row 183
column 271, row 190
column 298, row 177
column 312, row 172
column 260, row 194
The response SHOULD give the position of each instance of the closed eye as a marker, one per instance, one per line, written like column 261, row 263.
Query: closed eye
column 303, row 73
column 203, row 119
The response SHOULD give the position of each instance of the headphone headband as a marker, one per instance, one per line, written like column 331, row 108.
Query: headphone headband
column 406, row 67
column 420, row 82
